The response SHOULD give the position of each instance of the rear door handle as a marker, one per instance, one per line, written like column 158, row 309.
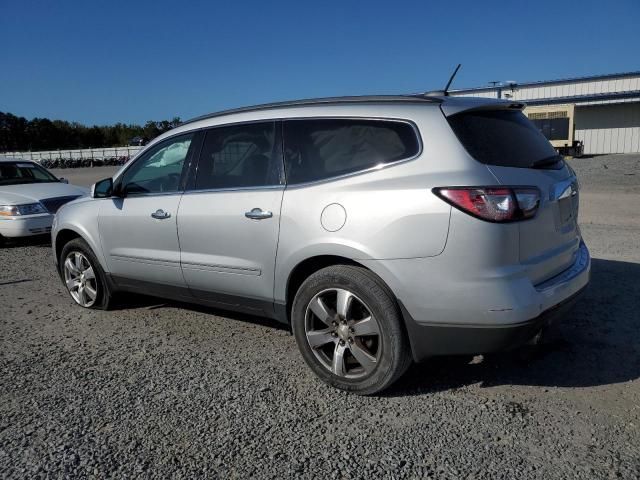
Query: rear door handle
column 258, row 214
column 160, row 214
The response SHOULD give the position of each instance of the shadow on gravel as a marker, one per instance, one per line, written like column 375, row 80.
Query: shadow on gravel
column 35, row 241
column 127, row 301
column 598, row 343
column 13, row 282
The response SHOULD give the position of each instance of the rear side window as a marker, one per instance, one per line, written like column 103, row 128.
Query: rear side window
column 240, row 156
column 325, row 148
column 504, row 138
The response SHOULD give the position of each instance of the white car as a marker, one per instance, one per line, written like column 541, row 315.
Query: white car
column 30, row 197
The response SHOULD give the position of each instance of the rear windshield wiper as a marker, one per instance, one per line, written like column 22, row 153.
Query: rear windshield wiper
column 547, row 162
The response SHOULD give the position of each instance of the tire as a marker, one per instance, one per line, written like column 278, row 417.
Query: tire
column 83, row 259
column 372, row 326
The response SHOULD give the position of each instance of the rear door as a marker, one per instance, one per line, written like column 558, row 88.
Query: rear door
column 229, row 220
column 517, row 154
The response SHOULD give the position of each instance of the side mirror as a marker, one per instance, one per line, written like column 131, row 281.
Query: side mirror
column 63, row 180
column 102, row 188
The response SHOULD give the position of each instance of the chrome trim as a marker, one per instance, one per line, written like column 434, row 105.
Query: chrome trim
column 146, row 261
column 282, row 120
column 564, row 189
column 234, row 189
column 160, row 214
column 258, row 214
column 150, row 194
column 352, row 174
column 254, row 272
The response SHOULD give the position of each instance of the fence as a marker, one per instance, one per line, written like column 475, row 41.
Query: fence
column 82, row 154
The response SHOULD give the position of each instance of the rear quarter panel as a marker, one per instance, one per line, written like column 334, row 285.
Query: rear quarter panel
column 390, row 213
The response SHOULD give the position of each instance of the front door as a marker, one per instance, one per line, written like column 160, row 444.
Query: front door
column 228, row 223
column 138, row 229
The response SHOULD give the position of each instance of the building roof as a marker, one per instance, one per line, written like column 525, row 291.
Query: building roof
column 595, row 97
column 539, row 83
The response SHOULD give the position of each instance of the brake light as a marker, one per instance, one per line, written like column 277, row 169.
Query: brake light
column 493, row 204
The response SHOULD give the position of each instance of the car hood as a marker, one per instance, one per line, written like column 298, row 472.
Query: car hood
column 35, row 192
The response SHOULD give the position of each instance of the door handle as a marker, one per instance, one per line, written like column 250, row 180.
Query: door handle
column 258, row 214
column 160, row 214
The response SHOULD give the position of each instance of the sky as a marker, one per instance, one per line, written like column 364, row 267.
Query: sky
column 102, row 62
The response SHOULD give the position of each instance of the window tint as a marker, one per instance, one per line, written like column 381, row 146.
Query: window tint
column 325, row 148
column 160, row 169
column 504, row 138
column 237, row 156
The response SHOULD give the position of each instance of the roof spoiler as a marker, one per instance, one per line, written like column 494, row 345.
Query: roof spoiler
column 468, row 104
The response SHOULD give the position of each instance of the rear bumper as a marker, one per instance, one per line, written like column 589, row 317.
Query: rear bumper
column 466, row 314
column 428, row 340
column 26, row 226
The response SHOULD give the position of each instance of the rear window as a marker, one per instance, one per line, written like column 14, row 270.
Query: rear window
column 504, row 138
column 325, row 148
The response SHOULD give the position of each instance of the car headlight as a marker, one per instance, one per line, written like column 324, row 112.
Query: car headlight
column 21, row 210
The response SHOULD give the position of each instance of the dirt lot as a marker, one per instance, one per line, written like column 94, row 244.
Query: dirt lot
column 170, row 391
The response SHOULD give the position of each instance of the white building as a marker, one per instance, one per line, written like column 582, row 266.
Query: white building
column 606, row 107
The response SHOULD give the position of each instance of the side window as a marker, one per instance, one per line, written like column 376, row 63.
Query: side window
column 159, row 170
column 237, row 156
column 325, row 148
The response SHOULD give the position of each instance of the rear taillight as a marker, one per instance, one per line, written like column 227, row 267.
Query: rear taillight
column 493, row 204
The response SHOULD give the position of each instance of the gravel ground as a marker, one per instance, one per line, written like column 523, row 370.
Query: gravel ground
column 157, row 390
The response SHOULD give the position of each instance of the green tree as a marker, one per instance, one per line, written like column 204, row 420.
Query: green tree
column 20, row 134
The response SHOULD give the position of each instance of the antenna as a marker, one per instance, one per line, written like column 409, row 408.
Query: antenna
column 446, row 89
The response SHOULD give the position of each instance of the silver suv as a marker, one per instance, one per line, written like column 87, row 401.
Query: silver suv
column 381, row 229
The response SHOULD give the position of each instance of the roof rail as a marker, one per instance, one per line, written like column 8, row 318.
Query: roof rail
column 321, row 101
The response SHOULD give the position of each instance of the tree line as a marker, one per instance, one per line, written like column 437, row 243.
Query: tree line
column 17, row 134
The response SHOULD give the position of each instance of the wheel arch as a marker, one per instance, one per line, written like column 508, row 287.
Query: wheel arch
column 310, row 265
column 64, row 234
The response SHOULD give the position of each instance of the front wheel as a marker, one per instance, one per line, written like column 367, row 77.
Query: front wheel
column 83, row 276
column 348, row 328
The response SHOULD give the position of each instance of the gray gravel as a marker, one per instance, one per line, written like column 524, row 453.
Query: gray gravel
column 157, row 390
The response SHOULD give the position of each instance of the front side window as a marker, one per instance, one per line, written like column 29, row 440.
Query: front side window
column 324, row 148
column 160, row 169
column 239, row 156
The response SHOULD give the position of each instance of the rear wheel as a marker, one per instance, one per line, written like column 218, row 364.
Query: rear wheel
column 83, row 276
column 348, row 328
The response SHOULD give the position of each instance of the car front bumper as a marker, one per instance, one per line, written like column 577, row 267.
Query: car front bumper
column 26, row 226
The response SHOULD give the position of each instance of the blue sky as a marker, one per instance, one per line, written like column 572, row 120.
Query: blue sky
column 104, row 62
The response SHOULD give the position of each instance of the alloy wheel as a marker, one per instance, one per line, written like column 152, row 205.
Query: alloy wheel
column 343, row 333
column 80, row 279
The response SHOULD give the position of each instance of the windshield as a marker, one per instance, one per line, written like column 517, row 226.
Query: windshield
column 503, row 138
column 16, row 173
